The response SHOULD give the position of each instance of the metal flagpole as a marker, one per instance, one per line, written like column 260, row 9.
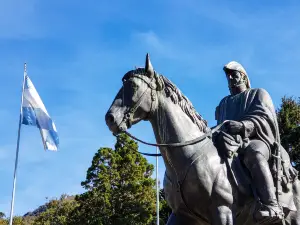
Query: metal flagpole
column 17, row 151
column 157, row 190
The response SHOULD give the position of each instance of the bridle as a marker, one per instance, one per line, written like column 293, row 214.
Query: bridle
column 128, row 115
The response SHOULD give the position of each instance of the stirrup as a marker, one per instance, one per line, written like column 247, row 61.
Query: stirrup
column 266, row 214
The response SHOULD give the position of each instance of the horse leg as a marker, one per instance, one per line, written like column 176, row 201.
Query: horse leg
column 182, row 219
column 222, row 215
column 221, row 209
column 295, row 217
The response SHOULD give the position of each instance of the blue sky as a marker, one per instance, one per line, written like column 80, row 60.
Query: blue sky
column 78, row 51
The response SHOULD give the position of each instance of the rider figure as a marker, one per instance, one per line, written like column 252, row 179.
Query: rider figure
column 251, row 115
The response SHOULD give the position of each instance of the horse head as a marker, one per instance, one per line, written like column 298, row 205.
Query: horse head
column 136, row 99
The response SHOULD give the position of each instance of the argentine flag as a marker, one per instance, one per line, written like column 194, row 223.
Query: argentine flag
column 34, row 113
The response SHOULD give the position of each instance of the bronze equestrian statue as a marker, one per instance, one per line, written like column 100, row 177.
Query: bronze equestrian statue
column 224, row 175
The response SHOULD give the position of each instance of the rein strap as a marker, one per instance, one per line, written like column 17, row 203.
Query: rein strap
column 180, row 144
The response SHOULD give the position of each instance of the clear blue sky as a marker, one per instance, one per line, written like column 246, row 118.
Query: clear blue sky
column 78, row 51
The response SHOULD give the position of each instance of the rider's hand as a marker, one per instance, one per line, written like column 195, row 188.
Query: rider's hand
column 234, row 127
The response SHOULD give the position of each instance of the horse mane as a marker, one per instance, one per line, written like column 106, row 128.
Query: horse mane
column 178, row 98
column 185, row 104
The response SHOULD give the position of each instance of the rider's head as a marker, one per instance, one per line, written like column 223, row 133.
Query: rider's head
column 237, row 77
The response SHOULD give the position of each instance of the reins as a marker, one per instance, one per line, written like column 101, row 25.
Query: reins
column 179, row 144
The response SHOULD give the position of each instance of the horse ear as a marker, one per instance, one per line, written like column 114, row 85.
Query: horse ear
column 148, row 67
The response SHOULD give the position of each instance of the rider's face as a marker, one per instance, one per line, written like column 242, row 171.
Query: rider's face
column 234, row 78
column 236, row 82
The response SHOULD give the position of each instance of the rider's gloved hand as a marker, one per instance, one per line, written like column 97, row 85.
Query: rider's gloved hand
column 233, row 127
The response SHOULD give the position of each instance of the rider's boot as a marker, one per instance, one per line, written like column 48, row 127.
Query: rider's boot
column 269, row 210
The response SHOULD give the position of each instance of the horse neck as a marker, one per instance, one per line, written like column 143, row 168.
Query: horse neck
column 172, row 125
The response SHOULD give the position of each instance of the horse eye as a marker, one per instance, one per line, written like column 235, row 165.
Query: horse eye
column 134, row 87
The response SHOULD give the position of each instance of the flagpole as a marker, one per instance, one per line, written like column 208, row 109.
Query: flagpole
column 17, row 151
column 157, row 190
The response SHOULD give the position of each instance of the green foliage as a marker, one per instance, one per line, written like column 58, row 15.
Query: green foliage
column 28, row 220
column 3, row 221
column 289, row 120
column 164, row 210
column 57, row 212
column 17, row 220
column 119, row 187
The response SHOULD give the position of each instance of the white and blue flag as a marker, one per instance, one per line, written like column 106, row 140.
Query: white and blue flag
column 34, row 113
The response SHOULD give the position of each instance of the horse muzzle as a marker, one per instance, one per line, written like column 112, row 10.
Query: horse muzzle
column 113, row 124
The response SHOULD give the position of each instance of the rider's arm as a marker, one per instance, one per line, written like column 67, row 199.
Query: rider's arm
column 249, row 128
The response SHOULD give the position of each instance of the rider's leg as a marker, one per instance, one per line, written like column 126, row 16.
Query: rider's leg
column 256, row 158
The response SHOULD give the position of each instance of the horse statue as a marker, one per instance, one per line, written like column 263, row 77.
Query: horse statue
column 199, row 186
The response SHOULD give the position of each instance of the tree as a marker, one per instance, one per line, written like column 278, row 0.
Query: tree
column 3, row 221
column 17, row 220
column 28, row 220
column 164, row 210
column 289, row 120
column 119, row 187
column 57, row 212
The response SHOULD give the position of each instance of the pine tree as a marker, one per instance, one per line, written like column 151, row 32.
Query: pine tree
column 289, row 120
column 119, row 187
